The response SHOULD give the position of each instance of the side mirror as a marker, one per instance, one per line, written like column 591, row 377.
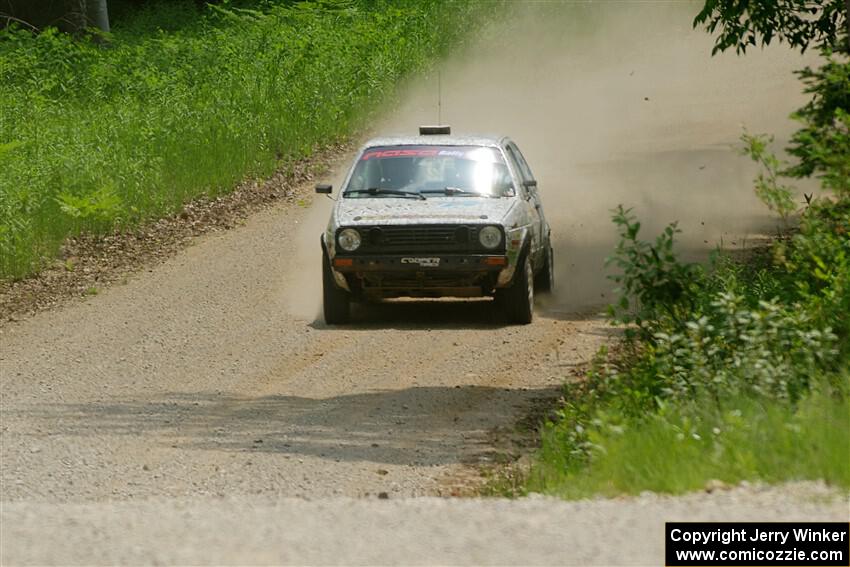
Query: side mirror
column 530, row 184
column 324, row 189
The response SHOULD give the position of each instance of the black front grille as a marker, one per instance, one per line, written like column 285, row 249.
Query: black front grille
column 418, row 237
column 403, row 239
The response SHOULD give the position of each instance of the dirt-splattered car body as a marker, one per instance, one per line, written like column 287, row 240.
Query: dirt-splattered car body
column 435, row 216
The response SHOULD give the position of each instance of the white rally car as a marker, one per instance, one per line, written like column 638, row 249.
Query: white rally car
column 437, row 215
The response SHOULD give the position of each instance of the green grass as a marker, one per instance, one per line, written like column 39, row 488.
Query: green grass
column 681, row 450
column 181, row 104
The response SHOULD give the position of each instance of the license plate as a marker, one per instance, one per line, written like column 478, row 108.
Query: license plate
column 422, row 262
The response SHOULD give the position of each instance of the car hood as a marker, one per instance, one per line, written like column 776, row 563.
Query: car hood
column 435, row 210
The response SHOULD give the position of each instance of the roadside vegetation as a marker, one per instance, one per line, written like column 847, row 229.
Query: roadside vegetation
column 104, row 131
column 738, row 369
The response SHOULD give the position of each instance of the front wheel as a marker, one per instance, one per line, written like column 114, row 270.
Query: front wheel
column 336, row 302
column 518, row 300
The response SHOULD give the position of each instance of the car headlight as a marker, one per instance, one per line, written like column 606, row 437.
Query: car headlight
column 490, row 237
column 348, row 239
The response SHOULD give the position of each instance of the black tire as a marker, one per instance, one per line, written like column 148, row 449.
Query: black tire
column 336, row 302
column 544, row 281
column 518, row 300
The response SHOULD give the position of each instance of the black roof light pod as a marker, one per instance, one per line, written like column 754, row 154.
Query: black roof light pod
column 435, row 130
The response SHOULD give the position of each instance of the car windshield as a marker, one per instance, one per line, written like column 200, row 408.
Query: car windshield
column 452, row 171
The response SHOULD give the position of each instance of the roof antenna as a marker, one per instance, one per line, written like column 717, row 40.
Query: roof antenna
column 439, row 129
column 439, row 99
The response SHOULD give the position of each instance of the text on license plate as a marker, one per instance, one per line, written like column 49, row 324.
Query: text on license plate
column 424, row 262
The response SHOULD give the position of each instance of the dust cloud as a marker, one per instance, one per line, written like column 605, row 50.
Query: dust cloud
column 613, row 102
column 304, row 291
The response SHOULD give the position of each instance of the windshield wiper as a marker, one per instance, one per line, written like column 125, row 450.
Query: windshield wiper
column 380, row 191
column 458, row 191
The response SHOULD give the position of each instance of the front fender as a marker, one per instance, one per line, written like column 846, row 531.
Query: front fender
column 329, row 252
column 517, row 239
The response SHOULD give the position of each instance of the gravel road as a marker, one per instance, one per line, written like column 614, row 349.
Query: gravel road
column 212, row 376
column 196, row 378
column 201, row 412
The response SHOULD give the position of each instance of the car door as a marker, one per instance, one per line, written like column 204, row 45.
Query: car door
column 532, row 200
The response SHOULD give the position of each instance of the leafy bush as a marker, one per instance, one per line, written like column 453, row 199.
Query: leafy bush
column 733, row 350
column 754, row 351
column 814, row 268
column 727, row 331
column 778, row 197
column 653, row 284
column 751, row 349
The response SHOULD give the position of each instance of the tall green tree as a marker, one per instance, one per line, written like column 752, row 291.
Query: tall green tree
column 822, row 24
column 822, row 145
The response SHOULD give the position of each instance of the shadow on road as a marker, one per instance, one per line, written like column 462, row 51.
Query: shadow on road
column 411, row 426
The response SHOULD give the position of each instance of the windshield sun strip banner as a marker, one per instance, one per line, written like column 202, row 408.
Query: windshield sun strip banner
column 474, row 153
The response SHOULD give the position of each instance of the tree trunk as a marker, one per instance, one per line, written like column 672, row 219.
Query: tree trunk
column 72, row 16
column 89, row 14
column 99, row 17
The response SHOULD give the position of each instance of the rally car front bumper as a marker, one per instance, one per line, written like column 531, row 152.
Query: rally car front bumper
column 437, row 275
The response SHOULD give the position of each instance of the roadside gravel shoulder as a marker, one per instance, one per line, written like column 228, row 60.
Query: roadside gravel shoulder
column 89, row 263
column 253, row 530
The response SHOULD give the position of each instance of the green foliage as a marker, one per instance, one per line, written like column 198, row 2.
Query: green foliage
column 102, row 204
column 181, row 104
column 767, row 341
column 779, row 198
column 681, row 448
column 823, row 143
column 815, row 268
column 652, row 283
column 800, row 23
column 731, row 349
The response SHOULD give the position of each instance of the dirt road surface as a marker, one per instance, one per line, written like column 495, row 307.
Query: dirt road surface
column 202, row 413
